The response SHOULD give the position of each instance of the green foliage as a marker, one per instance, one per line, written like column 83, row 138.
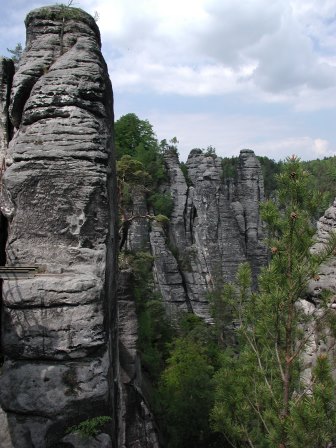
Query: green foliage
column 132, row 171
column 270, row 169
column 323, row 179
column 163, row 219
column 154, row 333
column 185, row 172
column 210, row 151
column 229, row 167
column 169, row 147
column 262, row 397
column 186, row 394
column 90, row 427
column 162, row 203
column 154, row 329
column 186, row 389
column 64, row 13
column 131, row 132
column 140, row 166
column 312, row 422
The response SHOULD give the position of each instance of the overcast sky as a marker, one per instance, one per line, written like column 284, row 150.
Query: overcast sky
column 233, row 74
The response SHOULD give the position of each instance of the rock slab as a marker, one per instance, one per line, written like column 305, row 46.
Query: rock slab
column 57, row 339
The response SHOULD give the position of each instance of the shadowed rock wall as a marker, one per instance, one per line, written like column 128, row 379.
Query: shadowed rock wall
column 58, row 329
column 214, row 227
column 321, row 341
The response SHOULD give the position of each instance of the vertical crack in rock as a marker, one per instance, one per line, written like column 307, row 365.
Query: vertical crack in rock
column 59, row 335
column 136, row 424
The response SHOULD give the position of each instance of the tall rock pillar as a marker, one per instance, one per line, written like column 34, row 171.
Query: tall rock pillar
column 56, row 336
column 6, row 77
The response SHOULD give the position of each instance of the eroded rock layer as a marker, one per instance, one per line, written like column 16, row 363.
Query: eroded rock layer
column 215, row 226
column 321, row 341
column 137, row 428
column 57, row 332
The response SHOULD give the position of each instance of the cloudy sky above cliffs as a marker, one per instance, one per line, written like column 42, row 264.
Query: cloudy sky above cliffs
column 233, row 74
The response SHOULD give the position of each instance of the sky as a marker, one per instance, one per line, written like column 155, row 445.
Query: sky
column 232, row 74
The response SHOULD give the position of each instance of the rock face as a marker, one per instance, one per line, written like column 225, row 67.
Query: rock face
column 137, row 427
column 214, row 227
column 59, row 329
column 6, row 76
column 326, row 280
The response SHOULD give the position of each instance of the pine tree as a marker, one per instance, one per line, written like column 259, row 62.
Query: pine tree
column 263, row 398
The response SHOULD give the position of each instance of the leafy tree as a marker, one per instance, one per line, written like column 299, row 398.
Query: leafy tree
column 323, row 179
column 262, row 398
column 210, row 151
column 169, row 146
column 130, row 132
column 229, row 167
column 136, row 138
column 162, row 203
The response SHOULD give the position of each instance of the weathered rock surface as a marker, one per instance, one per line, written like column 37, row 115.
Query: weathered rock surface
column 6, row 77
column 58, row 329
column 248, row 194
column 136, row 423
column 138, row 233
column 76, row 441
column 214, row 227
column 326, row 281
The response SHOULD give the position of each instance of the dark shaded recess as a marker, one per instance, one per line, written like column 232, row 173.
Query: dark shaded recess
column 20, row 100
column 10, row 70
column 3, row 241
column 136, row 419
column 80, row 412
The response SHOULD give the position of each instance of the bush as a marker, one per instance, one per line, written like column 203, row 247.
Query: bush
column 90, row 427
column 162, row 204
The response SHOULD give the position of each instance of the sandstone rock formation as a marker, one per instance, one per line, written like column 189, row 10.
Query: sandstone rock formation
column 136, row 423
column 6, row 76
column 214, row 227
column 320, row 341
column 58, row 339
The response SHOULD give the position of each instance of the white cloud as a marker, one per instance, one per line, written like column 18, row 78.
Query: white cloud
column 307, row 148
column 322, row 147
column 281, row 52
column 227, row 134
column 201, row 47
column 266, row 136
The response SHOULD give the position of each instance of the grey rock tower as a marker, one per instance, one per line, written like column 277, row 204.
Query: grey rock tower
column 214, row 227
column 57, row 333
